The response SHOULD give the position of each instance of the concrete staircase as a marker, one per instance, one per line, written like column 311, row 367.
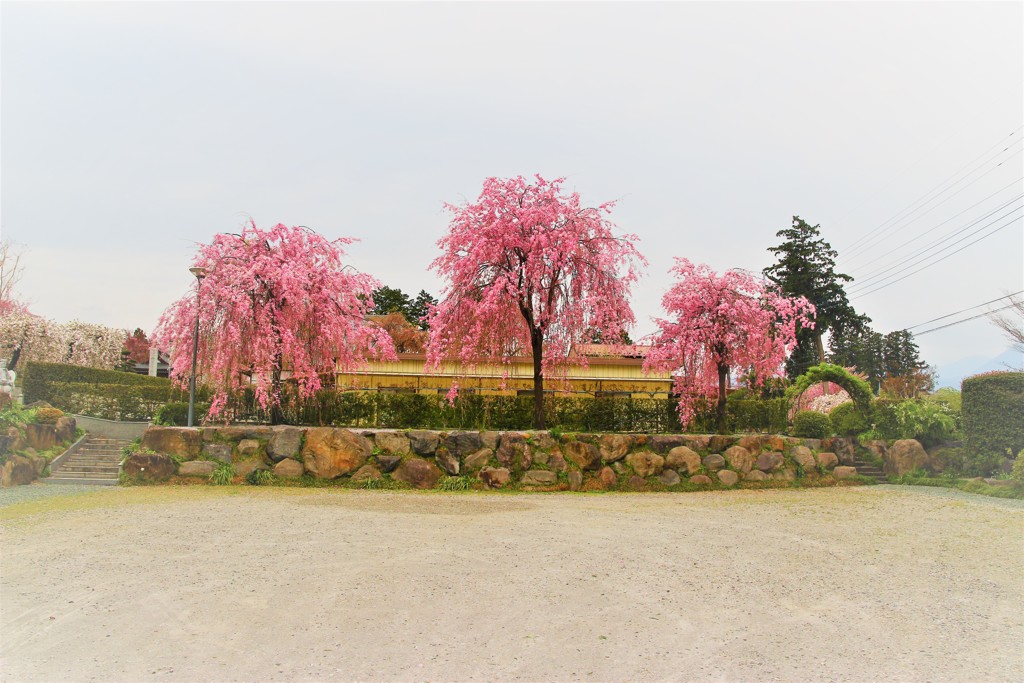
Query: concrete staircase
column 96, row 460
column 869, row 469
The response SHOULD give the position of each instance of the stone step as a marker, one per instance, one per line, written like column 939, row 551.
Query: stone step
column 84, row 475
column 111, row 469
column 79, row 480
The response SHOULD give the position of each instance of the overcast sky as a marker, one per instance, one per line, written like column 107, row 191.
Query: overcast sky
column 131, row 132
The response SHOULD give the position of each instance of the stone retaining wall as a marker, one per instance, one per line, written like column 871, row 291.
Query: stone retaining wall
column 20, row 462
column 422, row 458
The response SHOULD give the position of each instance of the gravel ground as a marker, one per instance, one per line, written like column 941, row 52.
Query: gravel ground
column 245, row 584
column 22, row 494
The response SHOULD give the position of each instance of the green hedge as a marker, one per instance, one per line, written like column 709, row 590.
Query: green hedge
column 378, row 409
column 809, row 424
column 108, row 394
column 993, row 413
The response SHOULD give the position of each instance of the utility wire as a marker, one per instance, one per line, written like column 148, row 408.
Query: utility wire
column 957, row 215
column 1001, row 227
column 926, row 194
column 965, row 320
column 914, row 259
column 969, row 308
column 866, row 246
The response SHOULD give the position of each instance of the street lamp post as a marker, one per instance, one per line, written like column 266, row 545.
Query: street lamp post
column 200, row 273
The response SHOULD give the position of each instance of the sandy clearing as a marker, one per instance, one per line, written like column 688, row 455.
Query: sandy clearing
column 243, row 584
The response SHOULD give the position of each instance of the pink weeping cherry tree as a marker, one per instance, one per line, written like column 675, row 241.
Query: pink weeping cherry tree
column 719, row 323
column 530, row 270
column 272, row 302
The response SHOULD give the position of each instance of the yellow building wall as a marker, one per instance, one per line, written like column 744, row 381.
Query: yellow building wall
column 624, row 376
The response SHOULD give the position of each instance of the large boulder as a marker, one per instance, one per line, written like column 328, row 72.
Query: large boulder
column 615, row 446
column 217, row 451
column 65, row 428
column 149, row 466
column 285, row 443
column 697, row 442
column 288, row 469
column 844, row 472
column 183, row 442
column 461, row 444
column 669, row 478
column 683, row 458
column 827, row 460
column 423, row 442
column 418, row 473
column 490, row 440
column 16, row 471
column 739, row 457
column 539, row 478
column 663, row 443
column 543, row 441
column 366, row 472
column 842, row 447
column 514, row 450
column 394, row 443
column 477, row 461
column 40, row 436
column 878, row 447
column 607, row 477
column 905, row 456
column 713, row 462
column 495, row 477
column 329, row 453
column 246, row 467
column 752, row 442
column 645, row 463
column 585, row 455
column 769, row 461
column 196, row 468
column 248, row 447
column 700, row 479
column 755, row 475
column 388, row 463
column 575, row 479
column 728, row 477
column 234, row 433
column 447, row 461
column 719, row 442
column 804, row 457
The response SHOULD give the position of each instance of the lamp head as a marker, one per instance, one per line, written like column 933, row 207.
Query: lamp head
column 198, row 271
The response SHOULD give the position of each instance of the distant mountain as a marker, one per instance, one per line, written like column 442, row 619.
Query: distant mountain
column 952, row 374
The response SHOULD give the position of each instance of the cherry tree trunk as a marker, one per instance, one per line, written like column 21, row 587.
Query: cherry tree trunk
column 723, row 376
column 537, row 343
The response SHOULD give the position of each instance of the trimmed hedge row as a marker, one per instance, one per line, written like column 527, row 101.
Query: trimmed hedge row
column 376, row 409
column 993, row 413
column 108, row 394
column 118, row 395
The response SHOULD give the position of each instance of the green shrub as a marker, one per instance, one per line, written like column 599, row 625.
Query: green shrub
column 927, row 422
column 222, row 474
column 260, row 477
column 847, row 420
column 951, row 402
column 176, row 414
column 1017, row 471
column 993, row 413
column 48, row 416
column 809, row 424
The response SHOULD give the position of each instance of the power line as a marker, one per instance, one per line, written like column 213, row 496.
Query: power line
column 965, row 320
column 914, row 259
column 867, row 245
column 969, row 308
column 957, row 215
column 926, row 194
column 1001, row 227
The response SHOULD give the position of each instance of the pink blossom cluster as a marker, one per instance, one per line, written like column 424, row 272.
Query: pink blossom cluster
column 273, row 303
column 826, row 403
column 721, row 323
column 530, row 270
